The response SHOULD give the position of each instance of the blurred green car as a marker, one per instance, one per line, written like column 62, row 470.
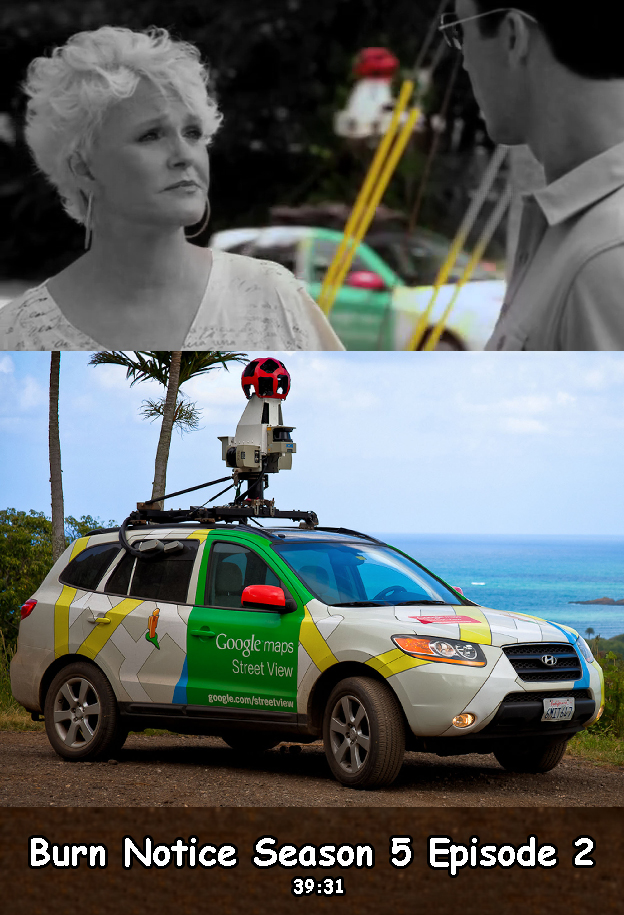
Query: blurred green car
column 390, row 284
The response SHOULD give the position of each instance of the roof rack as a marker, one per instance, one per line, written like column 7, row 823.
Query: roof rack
column 202, row 515
column 214, row 513
column 155, row 525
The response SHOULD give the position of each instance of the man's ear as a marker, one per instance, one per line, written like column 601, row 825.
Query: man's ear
column 79, row 168
column 518, row 37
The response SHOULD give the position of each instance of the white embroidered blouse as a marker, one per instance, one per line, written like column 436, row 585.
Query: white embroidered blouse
column 248, row 304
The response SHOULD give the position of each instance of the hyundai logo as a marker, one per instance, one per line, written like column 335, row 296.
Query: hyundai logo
column 549, row 660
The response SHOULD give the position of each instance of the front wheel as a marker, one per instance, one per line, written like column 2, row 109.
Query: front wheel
column 531, row 755
column 363, row 733
column 81, row 714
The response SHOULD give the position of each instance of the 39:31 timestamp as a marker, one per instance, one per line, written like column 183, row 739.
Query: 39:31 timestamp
column 330, row 886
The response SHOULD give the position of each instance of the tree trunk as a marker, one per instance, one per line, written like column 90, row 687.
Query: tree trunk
column 56, row 480
column 166, row 428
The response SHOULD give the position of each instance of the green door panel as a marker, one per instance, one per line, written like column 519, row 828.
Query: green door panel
column 242, row 658
column 362, row 318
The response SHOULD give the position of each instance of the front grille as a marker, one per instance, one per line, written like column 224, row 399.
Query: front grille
column 526, row 661
column 539, row 696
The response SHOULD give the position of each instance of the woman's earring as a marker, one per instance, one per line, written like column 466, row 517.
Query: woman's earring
column 88, row 222
column 203, row 224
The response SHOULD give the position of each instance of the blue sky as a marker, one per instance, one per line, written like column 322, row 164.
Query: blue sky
column 468, row 443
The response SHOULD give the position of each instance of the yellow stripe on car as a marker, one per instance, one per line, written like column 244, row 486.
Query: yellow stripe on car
column 394, row 662
column 97, row 639
column 61, row 607
column 480, row 631
column 314, row 643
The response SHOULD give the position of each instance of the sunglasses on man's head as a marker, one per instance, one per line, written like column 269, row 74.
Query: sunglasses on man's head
column 452, row 27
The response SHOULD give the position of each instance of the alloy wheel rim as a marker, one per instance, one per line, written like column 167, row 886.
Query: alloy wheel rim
column 76, row 713
column 349, row 734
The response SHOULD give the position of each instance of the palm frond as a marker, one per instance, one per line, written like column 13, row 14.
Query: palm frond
column 199, row 363
column 185, row 418
column 154, row 365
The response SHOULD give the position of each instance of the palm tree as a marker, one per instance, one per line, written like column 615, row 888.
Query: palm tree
column 56, row 480
column 171, row 370
column 589, row 632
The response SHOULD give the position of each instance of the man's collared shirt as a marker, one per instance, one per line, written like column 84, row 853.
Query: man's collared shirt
column 567, row 286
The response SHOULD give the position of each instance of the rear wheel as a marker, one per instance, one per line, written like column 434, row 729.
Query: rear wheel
column 531, row 755
column 81, row 714
column 363, row 733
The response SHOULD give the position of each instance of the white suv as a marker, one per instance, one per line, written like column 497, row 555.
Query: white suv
column 267, row 634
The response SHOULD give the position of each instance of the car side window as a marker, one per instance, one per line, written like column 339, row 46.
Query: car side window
column 119, row 579
column 85, row 571
column 162, row 579
column 233, row 568
column 323, row 252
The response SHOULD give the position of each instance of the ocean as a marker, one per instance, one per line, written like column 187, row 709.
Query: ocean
column 535, row 575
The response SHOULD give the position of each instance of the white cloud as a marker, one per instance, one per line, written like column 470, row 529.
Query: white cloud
column 520, row 426
column 32, row 394
column 7, row 366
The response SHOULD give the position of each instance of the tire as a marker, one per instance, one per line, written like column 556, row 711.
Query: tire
column 250, row 741
column 363, row 733
column 532, row 755
column 77, row 689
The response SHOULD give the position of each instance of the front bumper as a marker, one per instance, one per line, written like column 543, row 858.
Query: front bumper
column 504, row 705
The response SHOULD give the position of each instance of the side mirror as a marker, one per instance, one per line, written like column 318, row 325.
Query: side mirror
column 365, row 279
column 267, row 597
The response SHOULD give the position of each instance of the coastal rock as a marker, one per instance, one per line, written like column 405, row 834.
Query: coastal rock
column 600, row 600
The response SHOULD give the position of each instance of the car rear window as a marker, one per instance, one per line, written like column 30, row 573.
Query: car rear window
column 85, row 571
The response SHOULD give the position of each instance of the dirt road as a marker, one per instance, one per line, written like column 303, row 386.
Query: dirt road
column 160, row 771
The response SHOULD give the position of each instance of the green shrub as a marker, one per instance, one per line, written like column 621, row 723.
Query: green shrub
column 26, row 558
column 12, row 716
column 612, row 720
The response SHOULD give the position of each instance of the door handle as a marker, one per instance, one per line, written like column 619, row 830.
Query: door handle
column 204, row 633
column 97, row 618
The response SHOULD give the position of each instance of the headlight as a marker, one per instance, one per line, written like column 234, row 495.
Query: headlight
column 450, row 651
column 584, row 648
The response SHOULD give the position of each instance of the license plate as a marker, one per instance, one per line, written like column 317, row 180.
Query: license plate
column 558, row 709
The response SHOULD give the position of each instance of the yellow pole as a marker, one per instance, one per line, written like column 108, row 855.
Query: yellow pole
column 486, row 236
column 369, row 182
column 378, row 192
column 459, row 241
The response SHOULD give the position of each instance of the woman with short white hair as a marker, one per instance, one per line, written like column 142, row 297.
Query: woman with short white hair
column 119, row 122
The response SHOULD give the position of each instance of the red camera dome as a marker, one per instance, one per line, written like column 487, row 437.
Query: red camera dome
column 266, row 377
column 377, row 63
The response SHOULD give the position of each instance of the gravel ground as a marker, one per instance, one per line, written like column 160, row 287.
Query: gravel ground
column 162, row 771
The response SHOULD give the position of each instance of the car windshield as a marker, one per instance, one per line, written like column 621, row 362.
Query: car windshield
column 361, row 575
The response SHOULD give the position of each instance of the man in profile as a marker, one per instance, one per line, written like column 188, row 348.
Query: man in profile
column 550, row 74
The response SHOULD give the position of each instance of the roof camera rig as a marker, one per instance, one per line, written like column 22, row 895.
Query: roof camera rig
column 261, row 445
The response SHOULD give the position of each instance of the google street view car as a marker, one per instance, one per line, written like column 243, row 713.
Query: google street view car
column 205, row 621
